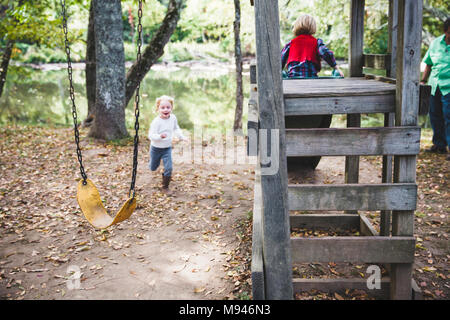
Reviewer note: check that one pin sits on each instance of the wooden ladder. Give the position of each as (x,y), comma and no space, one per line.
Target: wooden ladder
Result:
(271,99)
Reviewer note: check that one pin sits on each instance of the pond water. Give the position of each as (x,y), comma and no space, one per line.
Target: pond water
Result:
(204,95)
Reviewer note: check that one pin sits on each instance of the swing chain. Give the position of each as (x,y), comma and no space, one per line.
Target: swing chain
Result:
(136,103)
(72,93)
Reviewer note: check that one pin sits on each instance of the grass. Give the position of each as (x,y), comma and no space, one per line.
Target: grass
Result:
(182,51)
(122,142)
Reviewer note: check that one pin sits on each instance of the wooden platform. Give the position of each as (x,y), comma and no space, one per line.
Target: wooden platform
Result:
(274,250)
(335,87)
(337,96)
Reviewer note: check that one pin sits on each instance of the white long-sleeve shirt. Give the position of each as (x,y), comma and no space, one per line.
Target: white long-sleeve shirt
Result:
(169,127)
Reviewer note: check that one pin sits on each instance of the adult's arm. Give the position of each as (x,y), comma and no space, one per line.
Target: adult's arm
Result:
(426,74)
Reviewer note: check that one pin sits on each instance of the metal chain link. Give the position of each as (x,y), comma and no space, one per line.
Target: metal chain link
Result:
(72,93)
(136,100)
(136,103)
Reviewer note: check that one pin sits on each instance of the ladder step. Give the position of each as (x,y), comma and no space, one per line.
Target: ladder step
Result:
(334,285)
(349,87)
(353,249)
(325,221)
(353,141)
(339,105)
(368,197)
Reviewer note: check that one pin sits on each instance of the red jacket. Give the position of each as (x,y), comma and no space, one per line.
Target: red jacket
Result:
(304,48)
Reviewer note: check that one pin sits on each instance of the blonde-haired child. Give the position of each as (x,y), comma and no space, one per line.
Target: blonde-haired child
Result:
(302,55)
(161,132)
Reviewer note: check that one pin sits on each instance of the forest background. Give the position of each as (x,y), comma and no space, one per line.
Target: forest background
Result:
(38,171)
(205,29)
(204,35)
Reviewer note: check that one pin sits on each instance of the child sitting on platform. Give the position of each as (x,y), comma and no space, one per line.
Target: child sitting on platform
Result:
(162,129)
(302,55)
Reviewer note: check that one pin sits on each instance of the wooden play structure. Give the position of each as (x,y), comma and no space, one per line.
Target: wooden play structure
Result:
(397,96)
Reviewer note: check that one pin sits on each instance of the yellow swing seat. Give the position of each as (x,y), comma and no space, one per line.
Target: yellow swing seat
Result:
(90,203)
(88,196)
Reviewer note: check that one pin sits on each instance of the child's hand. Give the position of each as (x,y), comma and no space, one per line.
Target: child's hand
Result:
(163,135)
(340,71)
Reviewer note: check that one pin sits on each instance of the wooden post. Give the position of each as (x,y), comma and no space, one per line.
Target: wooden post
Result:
(389,118)
(392,45)
(252,117)
(276,229)
(385,215)
(356,62)
(409,36)
(356,58)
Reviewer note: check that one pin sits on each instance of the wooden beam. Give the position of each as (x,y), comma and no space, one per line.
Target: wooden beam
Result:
(424,93)
(408,58)
(348,87)
(339,105)
(353,197)
(276,230)
(257,266)
(253,118)
(365,227)
(356,38)
(353,141)
(352,162)
(392,44)
(377,61)
(337,285)
(386,177)
(409,38)
(353,249)
(325,221)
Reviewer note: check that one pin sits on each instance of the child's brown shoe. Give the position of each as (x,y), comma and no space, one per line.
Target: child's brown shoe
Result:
(165,182)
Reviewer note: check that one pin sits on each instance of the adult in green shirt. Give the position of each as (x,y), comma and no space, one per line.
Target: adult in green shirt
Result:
(437,73)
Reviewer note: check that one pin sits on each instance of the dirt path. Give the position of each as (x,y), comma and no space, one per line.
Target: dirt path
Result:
(193,244)
(180,246)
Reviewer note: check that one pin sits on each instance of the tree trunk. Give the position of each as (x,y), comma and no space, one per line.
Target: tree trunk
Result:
(90,63)
(5,63)
(238,57)
(154,49)
(109,113)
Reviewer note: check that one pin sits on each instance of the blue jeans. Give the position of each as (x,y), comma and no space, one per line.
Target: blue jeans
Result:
(440,118)
(156,154)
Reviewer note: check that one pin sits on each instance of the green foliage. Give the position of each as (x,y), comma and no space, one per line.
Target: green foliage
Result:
(332,17)
(376,35)
(178,52)
(35,22)
(127,141)
(203,22)
(333,22)
(185,51)
(43,55)
(35,26)
(434,14)
(243,296)
(152,15)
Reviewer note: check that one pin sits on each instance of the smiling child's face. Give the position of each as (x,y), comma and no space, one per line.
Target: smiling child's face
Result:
(165,108)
